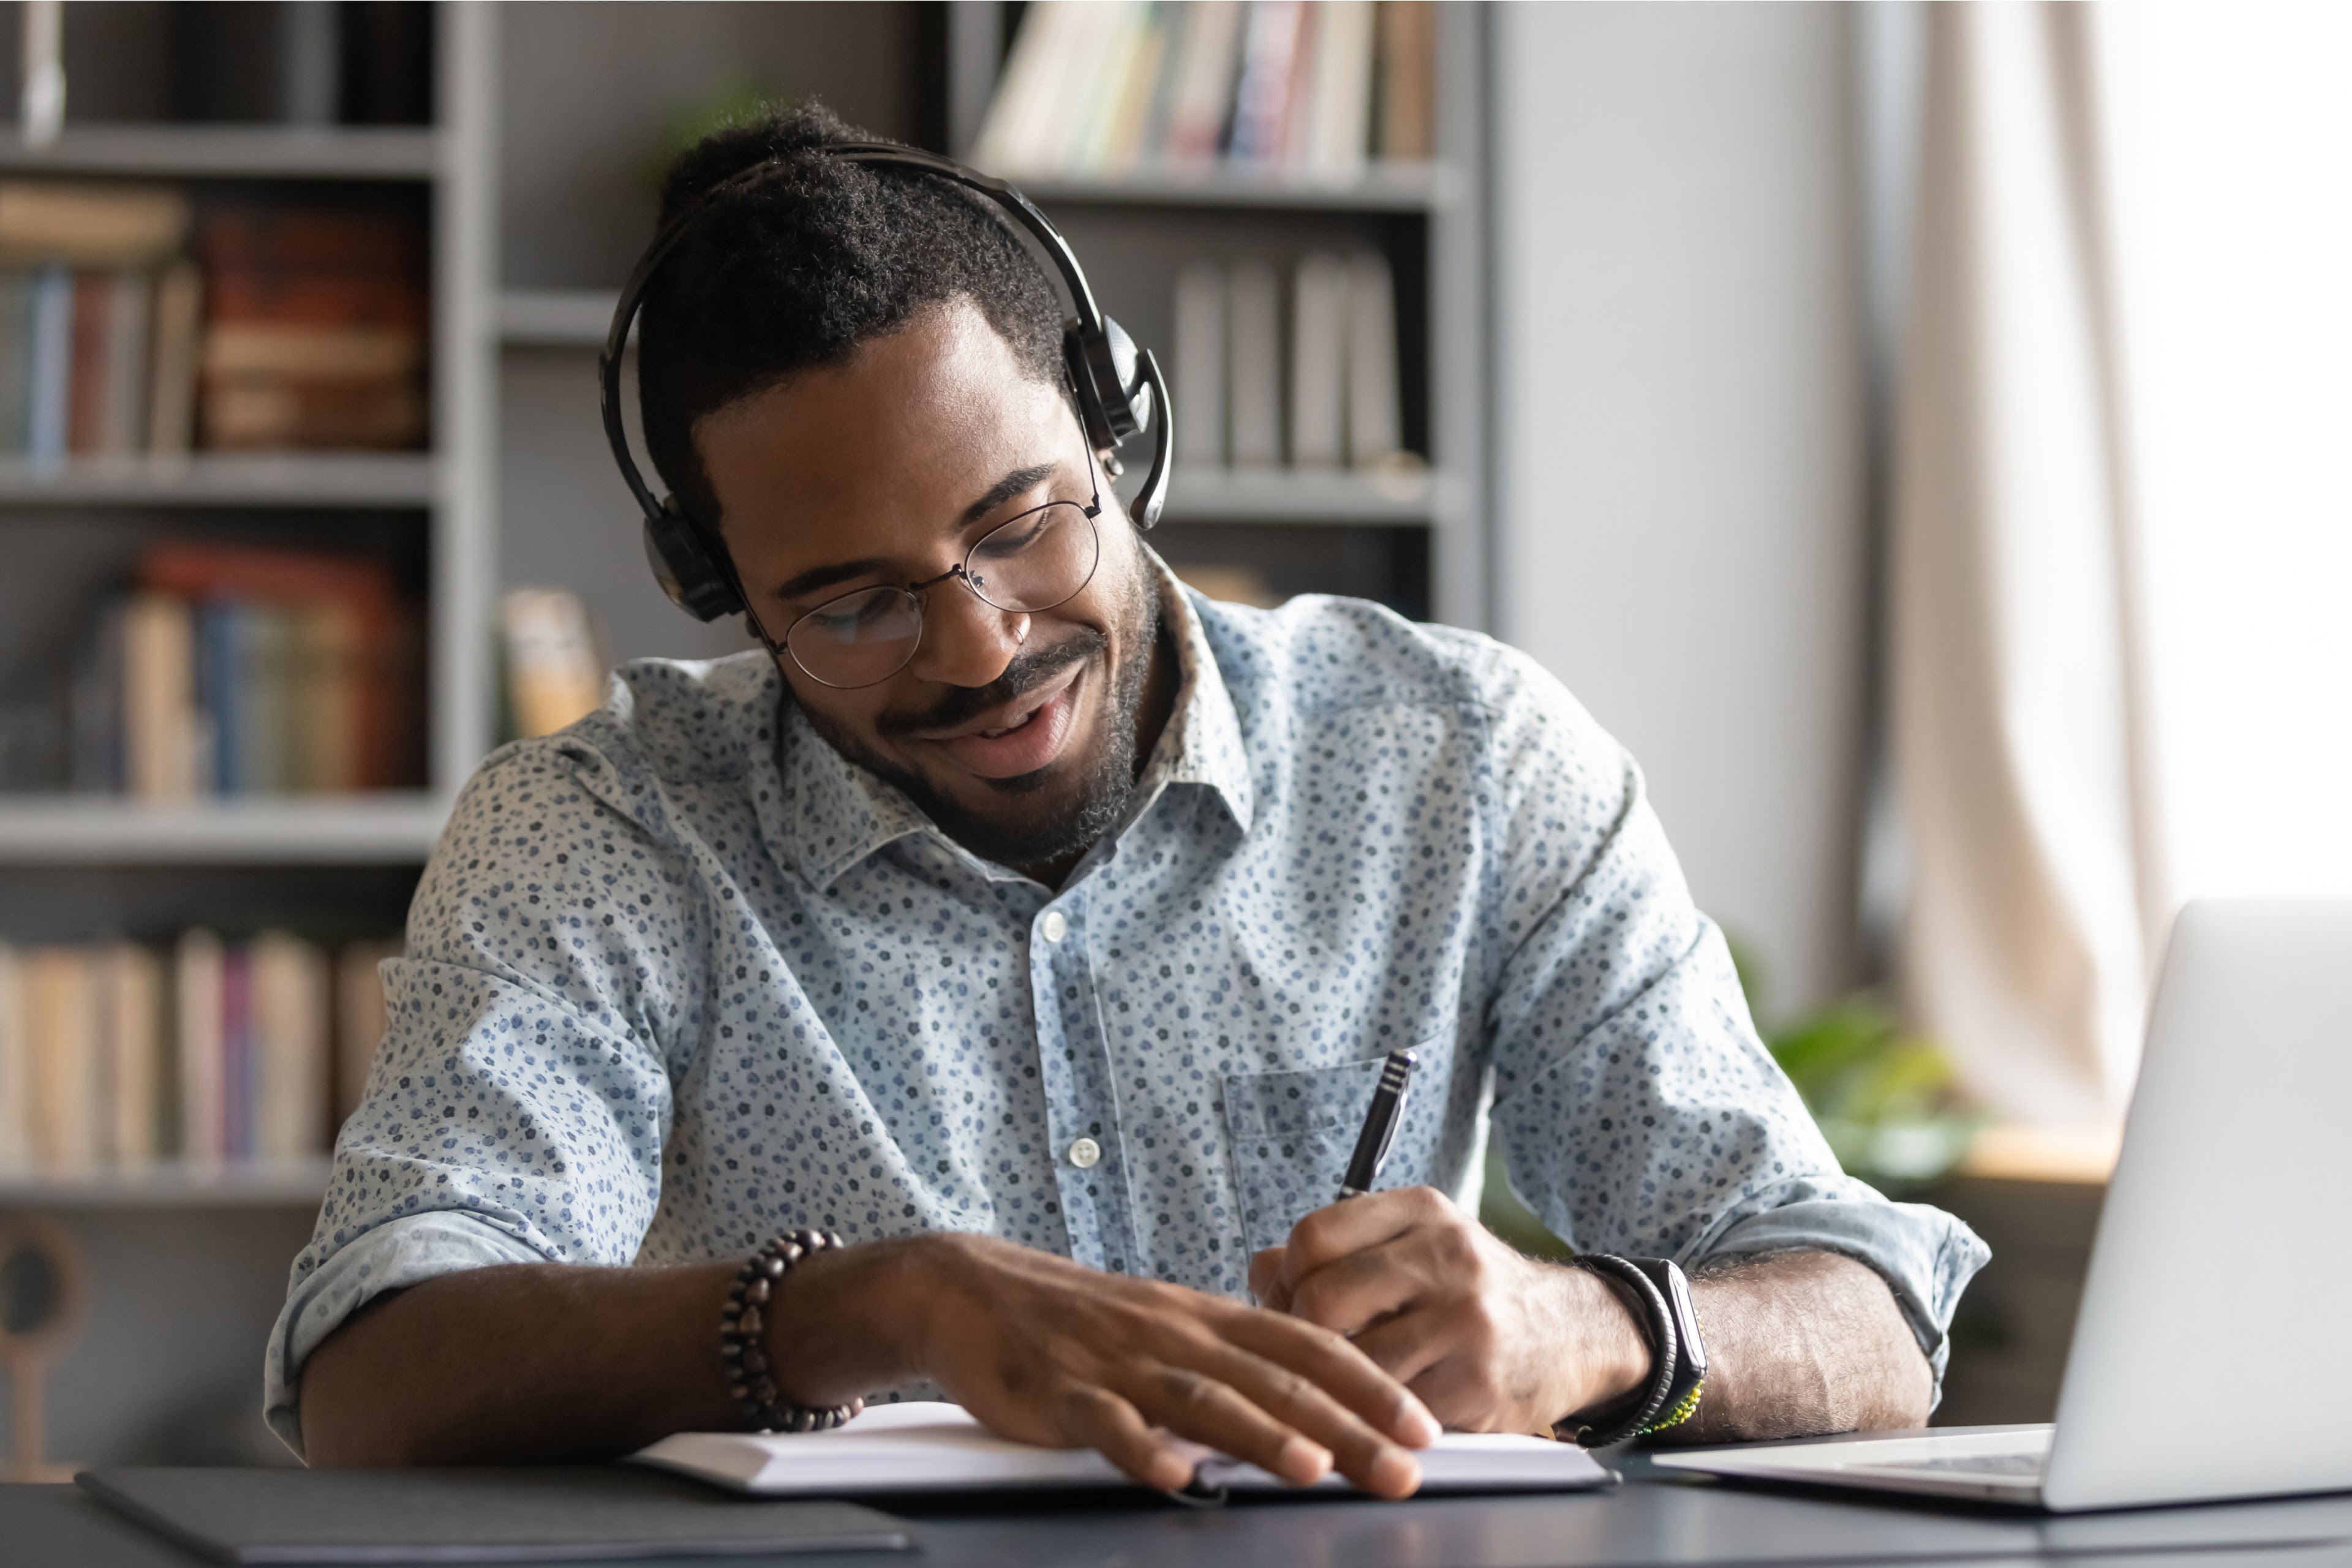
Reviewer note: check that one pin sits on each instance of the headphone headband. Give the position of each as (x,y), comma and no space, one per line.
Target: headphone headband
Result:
(1118,388)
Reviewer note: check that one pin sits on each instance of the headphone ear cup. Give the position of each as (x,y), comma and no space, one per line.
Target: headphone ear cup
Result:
(1113,396)
(685,569)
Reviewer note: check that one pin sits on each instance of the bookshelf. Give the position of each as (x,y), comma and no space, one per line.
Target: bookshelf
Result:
(536,177)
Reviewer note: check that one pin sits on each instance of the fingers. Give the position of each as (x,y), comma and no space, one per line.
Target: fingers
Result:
(1110,1425)
(1359,1290)
(1334,1230)
(1333,1370)
(1210,1409)
(1266,1280)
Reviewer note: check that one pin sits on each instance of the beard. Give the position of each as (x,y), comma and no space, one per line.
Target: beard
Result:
(1025,831)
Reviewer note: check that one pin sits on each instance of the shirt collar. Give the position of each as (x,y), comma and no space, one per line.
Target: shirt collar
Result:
(826,813)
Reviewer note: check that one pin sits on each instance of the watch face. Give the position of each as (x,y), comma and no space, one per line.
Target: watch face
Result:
(1686,1318)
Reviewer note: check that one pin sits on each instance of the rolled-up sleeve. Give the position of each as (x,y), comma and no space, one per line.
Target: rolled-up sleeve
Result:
(1637,1110)
(517,1108)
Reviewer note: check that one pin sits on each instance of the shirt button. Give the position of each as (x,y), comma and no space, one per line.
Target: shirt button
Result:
(1085,1152)
(1056,928)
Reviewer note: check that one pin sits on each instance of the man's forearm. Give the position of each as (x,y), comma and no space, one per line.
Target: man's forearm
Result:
(1803,1343)
(537,1363)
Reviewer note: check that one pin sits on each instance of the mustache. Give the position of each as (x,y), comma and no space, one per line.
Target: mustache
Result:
(1030,669)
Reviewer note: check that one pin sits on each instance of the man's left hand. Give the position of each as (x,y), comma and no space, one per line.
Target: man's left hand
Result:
(1491,1339)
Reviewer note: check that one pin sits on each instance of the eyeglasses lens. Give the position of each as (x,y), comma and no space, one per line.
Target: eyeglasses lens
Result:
(1036,560)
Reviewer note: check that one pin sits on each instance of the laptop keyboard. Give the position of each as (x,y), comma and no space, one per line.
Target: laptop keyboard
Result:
(2007,1467)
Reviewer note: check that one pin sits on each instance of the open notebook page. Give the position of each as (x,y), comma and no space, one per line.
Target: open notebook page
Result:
(929,1447)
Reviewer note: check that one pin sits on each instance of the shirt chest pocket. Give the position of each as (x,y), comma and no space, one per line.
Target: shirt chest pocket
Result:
(1292,1133)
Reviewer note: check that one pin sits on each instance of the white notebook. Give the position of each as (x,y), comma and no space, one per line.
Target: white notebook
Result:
(926,1447)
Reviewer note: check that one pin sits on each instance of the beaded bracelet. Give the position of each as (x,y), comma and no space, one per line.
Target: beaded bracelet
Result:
(742,1324)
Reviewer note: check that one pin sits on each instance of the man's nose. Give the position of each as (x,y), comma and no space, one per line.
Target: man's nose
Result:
(967,641)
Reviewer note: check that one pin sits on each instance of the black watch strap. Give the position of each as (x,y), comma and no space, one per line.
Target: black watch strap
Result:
(1659,1294)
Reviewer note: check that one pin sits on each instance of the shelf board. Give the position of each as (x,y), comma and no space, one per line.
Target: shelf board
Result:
(230,151)
(556,318)
(348,830)
(1383,187)
(171,1184)
(1289,495)
(225,479)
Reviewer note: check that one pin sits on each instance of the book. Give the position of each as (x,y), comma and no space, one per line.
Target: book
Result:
(172,399)
(345,649)
(15,356)
(130,998)
(89,225)
(1299,99)
(1017,135)
(1097,88)
(1253,366)
(159,710)
(361,1019)
(923,1446)
(289,1028)
(1262,92)
(65,1033)
(197,991)
(93,301)
(314,329)
(237,1064)
(49,374)
(1128,128)
(1340,104)
(1201,93)
(327,696)
(1200,389)
(554,676)
(1405,79)
(1375,420)
(16,1064)
(1318,362)
(128,377)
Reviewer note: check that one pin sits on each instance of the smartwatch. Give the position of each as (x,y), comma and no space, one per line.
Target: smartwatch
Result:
(1659,1294)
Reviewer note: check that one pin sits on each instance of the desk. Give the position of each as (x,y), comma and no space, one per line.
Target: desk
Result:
(1652,1520)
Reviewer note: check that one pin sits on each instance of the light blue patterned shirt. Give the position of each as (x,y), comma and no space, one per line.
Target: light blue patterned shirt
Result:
(681,977)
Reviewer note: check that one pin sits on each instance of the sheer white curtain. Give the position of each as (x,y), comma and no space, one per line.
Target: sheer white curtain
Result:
(2122,522)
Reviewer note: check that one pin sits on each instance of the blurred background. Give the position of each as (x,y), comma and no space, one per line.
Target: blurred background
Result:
(1913,429)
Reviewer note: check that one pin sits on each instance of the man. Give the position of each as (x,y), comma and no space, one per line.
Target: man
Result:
(1034,925)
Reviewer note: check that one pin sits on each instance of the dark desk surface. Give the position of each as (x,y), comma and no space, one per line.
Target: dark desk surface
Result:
(1652,1520)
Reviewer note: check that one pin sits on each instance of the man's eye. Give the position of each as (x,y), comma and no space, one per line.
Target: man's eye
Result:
(850,619)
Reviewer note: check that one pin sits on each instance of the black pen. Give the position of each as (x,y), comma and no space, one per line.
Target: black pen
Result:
(1379,1127)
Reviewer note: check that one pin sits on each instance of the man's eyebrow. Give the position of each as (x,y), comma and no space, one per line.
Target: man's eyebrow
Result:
(1002,491)
(1005,488)
(818,577)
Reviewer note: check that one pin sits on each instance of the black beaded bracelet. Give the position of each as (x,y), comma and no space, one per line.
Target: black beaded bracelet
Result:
(742,1324)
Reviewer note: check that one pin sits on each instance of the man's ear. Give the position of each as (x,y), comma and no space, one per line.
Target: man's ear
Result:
(1109,461)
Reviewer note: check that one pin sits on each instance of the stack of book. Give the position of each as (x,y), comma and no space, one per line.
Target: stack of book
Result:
(1341,410)
(116,1056)
(231,671)
(315,332)
(290,327)
(1303,88)
(98,321)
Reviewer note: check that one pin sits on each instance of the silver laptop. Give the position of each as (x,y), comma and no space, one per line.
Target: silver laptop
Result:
(2207,1359)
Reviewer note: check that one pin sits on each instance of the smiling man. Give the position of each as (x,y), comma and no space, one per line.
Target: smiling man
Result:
(1040,928)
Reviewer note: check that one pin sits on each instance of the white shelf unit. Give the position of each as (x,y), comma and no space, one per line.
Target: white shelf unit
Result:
(396,828)
(449,484)
(230,151)
(170,1184)
(226,480)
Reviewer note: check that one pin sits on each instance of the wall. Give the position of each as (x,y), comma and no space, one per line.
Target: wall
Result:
(1679,458)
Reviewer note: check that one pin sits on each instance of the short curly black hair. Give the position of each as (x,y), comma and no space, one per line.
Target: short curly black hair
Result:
(798,270)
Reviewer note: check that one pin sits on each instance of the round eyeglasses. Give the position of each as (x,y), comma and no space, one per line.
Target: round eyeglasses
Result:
(1040,559)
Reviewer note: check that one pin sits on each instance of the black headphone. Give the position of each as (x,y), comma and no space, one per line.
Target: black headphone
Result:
(1117,386)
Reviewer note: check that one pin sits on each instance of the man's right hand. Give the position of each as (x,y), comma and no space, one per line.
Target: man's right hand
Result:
(1048,1351)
